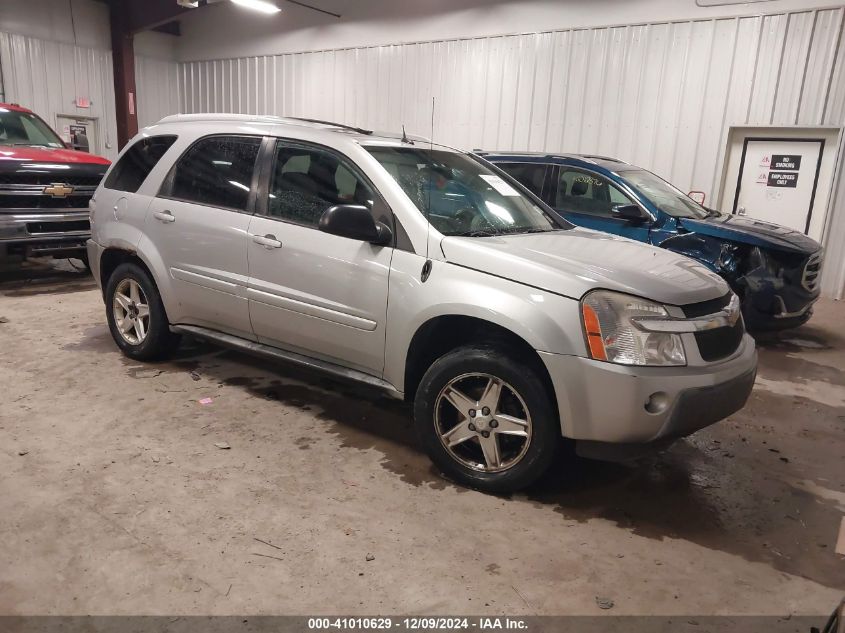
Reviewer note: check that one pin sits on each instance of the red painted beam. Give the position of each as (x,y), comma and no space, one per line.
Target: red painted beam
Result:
(123,60)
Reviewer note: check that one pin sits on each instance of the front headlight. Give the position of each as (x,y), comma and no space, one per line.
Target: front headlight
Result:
(606,318)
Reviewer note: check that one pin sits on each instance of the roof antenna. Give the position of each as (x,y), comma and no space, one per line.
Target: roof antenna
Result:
(405,138)
(426,269)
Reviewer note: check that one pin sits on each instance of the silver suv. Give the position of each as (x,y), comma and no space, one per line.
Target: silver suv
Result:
(423,271)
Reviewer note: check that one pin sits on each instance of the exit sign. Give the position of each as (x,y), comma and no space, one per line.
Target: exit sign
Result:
(83,102)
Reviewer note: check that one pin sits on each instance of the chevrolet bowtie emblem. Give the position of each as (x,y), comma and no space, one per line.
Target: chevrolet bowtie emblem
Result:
(58,190)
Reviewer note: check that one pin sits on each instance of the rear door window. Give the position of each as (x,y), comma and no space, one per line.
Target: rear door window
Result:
(216,171)
(136,164)
(584,192)
(531,175)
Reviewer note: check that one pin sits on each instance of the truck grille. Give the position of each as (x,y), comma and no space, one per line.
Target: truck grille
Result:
(48,179)
(36,228)
(17,201)
(812,269)
(720,342)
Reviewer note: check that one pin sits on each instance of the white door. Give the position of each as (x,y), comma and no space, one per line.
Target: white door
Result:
(778,180)
(199,225)
(311,292)
(79,133)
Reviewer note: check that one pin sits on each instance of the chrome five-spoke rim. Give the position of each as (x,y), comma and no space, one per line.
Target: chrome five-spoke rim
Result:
(482,422)
(131,311)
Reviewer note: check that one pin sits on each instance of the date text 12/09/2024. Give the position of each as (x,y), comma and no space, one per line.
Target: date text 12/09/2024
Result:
(415,624)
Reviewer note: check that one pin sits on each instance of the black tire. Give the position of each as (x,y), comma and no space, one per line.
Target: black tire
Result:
(525,379)
(159,340)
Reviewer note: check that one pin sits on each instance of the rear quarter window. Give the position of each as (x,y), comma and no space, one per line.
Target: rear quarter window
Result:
(136,164)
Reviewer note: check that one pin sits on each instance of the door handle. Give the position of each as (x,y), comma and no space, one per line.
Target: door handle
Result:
(267,241)
(164,216)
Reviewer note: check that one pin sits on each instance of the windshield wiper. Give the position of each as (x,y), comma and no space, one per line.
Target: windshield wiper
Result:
(509,231)
(520,231)
(538,230)
(478,233)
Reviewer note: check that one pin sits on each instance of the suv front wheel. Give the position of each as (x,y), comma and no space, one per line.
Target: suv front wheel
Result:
(486,419)
(136,315)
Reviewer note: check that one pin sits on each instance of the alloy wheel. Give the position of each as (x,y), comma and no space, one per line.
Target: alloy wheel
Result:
(482,422)
(131,311)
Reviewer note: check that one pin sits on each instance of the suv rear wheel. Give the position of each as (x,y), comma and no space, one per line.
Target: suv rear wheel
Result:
(486,419)
(136,315)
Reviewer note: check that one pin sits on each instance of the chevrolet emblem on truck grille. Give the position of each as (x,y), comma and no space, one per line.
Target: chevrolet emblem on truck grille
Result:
(58,190)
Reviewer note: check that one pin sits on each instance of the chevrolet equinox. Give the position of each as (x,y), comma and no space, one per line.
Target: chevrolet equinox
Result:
(421,270)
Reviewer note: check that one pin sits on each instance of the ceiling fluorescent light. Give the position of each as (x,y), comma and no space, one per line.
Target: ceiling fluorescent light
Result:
(258,5)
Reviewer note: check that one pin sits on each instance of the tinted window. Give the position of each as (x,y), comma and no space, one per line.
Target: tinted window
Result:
(307,181)
(137,163)
(529,174)
(217,171)
(582,192)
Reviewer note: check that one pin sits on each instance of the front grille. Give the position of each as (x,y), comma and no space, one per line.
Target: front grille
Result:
(812,269)
(43,202)
(48,179)
(720,342)
(702,308)
(34,228)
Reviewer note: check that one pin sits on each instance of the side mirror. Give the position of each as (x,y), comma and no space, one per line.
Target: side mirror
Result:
(629,213)
(355,222)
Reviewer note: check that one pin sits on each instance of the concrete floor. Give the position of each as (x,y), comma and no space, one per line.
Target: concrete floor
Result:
(122,503)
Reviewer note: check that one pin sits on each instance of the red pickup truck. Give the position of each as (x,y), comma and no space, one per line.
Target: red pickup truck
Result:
(44,188)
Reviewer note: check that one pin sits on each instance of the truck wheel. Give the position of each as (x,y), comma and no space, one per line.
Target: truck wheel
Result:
(486,419)
(136,315)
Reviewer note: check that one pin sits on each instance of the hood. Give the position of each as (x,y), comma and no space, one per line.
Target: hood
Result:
(40,154)
(575,261)
(750,231)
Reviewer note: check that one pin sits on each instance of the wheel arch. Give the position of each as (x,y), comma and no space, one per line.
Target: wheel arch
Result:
(148,259)
(113,257)
(443,333)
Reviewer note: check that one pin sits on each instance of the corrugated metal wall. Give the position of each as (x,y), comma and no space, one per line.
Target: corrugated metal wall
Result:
(157,82)
(47,77)
(661,95)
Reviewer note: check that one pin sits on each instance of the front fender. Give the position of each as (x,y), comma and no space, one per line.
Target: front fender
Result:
(546,321)
(721,256)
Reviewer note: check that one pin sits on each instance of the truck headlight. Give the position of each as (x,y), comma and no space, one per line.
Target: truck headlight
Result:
(611,336)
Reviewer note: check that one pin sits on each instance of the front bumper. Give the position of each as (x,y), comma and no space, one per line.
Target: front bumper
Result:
(604,402)
(784,299)
(39,232)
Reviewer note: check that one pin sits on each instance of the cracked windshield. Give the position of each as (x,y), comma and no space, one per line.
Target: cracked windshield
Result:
(461,196)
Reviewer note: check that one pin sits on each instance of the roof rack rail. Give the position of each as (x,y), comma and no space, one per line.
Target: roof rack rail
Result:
(360,130)
(607,158)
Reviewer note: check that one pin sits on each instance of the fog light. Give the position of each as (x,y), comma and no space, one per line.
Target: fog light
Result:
(657,402)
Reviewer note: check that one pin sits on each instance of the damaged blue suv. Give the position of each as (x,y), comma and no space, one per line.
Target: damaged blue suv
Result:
(774,270)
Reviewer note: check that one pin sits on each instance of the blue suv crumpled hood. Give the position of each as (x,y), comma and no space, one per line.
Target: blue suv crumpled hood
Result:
(749,231)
